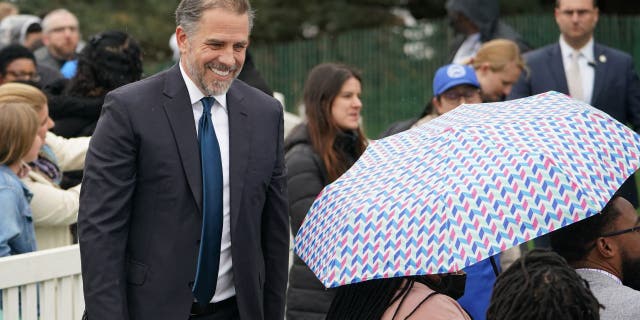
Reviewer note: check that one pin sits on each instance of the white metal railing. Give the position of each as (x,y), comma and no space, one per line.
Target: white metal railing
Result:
(45,285)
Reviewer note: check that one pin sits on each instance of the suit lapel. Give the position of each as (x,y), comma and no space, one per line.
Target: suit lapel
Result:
(557,69)
(600,74)
(239,149)
(180,115)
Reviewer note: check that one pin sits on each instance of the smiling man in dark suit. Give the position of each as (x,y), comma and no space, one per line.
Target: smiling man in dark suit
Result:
(577,65)
(183,207)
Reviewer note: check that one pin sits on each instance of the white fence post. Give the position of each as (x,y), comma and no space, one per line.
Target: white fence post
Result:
(47,283)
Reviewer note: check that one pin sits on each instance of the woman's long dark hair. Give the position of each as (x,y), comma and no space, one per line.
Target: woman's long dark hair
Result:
(370,299)
(322,87)
(109,60)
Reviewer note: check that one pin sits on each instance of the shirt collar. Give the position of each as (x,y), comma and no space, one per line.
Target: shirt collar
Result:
(473,37)
(608,274)
(586,50)
(194,92)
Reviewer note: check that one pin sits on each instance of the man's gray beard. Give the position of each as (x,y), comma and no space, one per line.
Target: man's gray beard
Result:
(215,88)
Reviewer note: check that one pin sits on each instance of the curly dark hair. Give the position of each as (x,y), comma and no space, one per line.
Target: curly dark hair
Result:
(109,60)
(574,242)
(11,53)
(542,285)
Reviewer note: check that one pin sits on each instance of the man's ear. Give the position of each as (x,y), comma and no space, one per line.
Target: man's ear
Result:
(181,39)
(606,247)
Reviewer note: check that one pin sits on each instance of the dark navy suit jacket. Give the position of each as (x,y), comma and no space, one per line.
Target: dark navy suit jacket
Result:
(140,215)
(616,88)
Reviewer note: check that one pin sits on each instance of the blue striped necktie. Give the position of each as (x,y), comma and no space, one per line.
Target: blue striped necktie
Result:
(204,286)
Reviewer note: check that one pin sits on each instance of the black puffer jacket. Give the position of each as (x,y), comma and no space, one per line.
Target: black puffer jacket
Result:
(307,298)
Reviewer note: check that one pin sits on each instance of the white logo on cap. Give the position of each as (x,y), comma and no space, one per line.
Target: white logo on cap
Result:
(456,71)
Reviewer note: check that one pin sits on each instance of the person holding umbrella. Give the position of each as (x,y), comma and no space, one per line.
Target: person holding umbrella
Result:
(454,85)
(416,297)
(317,152)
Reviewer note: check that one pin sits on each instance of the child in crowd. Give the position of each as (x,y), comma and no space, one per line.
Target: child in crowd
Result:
(19,143)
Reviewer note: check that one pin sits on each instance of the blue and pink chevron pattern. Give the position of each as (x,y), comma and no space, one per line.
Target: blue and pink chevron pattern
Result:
(468,185)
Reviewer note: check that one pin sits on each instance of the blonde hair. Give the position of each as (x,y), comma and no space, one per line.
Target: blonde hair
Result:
(18,129)
(24,93)
(498,54)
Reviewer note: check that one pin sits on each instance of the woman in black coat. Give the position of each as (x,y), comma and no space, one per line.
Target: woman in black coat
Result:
(317,153)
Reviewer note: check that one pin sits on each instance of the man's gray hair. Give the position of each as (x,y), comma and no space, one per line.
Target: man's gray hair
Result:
(46,21)
(189,12)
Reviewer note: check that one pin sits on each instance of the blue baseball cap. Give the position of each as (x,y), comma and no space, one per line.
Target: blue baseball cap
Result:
(453,75)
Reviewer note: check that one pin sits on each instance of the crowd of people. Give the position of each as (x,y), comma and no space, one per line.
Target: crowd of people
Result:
(33,60)
(187,186)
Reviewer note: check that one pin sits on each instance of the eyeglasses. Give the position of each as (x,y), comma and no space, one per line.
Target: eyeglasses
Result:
(619,232)
(24,75)
(613,234)
(456,95)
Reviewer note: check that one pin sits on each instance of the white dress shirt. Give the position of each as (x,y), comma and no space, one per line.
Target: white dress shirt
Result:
(468,49)
(220,118)
(586,64)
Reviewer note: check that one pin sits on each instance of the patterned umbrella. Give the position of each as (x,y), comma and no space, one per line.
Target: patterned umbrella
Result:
(468,185)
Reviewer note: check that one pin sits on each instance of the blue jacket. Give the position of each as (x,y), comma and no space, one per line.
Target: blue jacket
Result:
(478,288)
(16,224)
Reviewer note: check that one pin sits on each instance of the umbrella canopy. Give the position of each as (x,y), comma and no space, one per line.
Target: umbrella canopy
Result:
(463,187)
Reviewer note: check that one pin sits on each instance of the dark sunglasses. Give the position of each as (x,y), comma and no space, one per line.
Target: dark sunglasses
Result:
(619,232)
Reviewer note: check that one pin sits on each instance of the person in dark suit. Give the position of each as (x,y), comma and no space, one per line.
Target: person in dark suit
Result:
(183,210)
(601,76)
